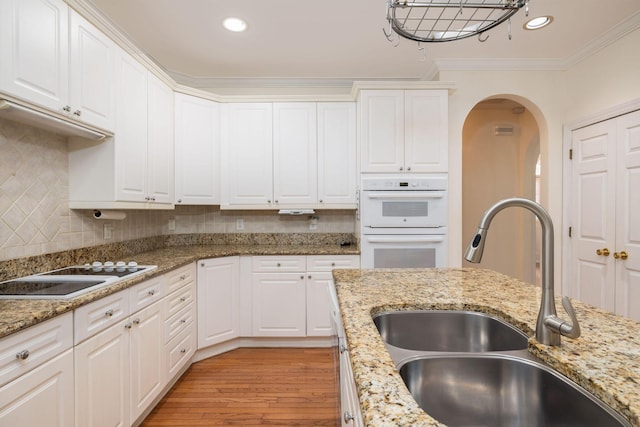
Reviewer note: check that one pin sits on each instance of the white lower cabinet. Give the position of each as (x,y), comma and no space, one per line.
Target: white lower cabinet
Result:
(290,294)
(218,300)
(36,375)
(349,402)
(147,358)
(102,378)
(120,370)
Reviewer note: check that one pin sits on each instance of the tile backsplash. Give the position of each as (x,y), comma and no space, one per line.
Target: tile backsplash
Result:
(35,218)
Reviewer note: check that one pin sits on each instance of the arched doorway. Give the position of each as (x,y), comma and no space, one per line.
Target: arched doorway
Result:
(500,151)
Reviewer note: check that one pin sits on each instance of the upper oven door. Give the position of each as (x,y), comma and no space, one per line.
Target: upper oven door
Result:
(400,209)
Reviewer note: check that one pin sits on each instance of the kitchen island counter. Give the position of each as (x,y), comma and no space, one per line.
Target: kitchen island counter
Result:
(605,360)
(18,314)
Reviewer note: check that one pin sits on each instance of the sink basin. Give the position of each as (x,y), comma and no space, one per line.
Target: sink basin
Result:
(450,331)
(501,390)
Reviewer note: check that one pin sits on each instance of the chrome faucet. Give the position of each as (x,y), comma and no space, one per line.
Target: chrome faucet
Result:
(549,327)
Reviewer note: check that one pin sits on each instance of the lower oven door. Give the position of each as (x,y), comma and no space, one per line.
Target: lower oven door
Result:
(404,251)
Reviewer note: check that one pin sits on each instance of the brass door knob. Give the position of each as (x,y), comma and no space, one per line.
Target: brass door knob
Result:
(603,252)
(621,255)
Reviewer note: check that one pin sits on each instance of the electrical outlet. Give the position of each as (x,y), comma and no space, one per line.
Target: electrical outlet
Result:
(172,224)
(107,231)
(239,224)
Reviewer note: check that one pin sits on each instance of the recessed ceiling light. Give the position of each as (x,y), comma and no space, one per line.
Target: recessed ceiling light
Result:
(236,25)
(537,23)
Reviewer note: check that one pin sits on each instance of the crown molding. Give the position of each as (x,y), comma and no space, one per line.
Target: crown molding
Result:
(627,26)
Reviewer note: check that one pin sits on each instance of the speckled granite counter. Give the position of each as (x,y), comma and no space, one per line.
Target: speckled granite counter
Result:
(17,314)
(605,360)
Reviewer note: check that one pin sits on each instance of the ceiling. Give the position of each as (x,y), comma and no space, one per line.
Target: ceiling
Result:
(343,40)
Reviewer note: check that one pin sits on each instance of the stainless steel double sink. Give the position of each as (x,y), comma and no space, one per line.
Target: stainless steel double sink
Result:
(470,369)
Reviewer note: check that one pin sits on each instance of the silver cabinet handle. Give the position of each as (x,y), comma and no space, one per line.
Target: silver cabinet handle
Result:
(77,113)
(67,108)
(278,265)
(183,299)
(409,168)
(152,292)
(183,320)
(333,264)
(183,351)
(108,313)
(309,276)
(136,321)
(401,168)
(179,200)
(343,348)
(128,325)
(320,200)
(184,276)
(23,355)
(348,417)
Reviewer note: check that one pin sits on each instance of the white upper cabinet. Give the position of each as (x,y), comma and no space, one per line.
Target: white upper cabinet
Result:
(337,161)
(294,153)
(92,94)
(404,130)
(247,152)
(131,130)
(197,145)
(134,168)
(160,142)
(55,59)
(289,155)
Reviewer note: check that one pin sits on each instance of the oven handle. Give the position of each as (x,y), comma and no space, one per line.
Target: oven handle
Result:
(406,195)
(400,239)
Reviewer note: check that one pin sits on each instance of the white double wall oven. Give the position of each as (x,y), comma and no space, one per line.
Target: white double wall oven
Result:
(404,221)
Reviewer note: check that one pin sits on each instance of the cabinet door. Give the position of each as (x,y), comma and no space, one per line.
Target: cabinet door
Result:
(382,130)
(147,357)
(34,42)
(160,135)
(279,304)
(102,382)
(337,153)
(247,153)
(41,397)
(197,150)
(218,300)
(318,315)
(131,130)
(426,128)
(295,174)
(92,82)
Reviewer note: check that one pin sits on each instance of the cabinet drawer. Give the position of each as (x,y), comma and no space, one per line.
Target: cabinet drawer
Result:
(99,315)
(25,350)
(179,322)
(178,278)
(330,262)
(146,293)
(179,351)
(278,264)
(179,300)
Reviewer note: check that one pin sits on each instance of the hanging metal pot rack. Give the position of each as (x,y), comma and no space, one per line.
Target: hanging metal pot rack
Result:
(448,20)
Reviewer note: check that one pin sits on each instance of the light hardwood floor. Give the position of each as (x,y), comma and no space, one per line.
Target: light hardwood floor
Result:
(254,386)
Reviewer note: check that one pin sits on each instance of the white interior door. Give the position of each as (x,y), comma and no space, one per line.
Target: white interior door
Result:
(593,215)
(628,216)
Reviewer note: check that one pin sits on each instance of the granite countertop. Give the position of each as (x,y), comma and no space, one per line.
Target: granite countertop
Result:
(18,314)
(605,360)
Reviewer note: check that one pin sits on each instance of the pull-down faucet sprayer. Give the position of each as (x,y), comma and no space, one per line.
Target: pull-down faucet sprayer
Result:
(549,327)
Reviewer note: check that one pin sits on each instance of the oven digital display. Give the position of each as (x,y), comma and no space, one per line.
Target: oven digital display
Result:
(403,184)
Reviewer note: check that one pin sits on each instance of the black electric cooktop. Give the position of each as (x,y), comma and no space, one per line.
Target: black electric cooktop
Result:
(68,282)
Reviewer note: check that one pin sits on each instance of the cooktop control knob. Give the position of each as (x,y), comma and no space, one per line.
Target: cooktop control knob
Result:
(108,266)
(121,266)
(96,266)
(132,265)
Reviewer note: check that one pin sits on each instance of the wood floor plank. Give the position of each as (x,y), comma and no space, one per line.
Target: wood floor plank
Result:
(254,387)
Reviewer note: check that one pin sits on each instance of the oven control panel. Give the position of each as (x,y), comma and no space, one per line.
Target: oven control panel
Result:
(404,183)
